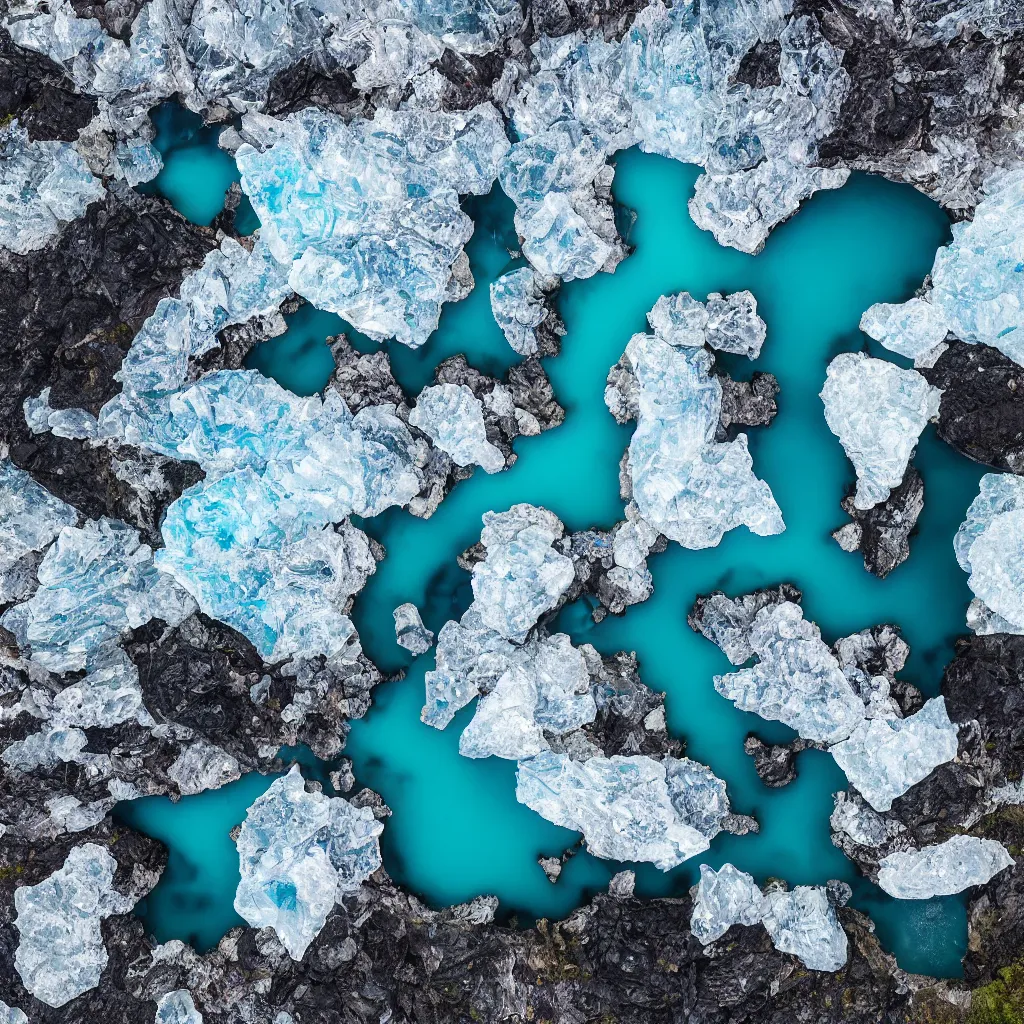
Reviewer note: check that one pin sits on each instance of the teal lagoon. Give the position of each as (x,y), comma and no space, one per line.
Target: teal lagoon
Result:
(456,830)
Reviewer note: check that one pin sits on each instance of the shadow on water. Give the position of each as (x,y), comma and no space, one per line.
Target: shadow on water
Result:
(456,829)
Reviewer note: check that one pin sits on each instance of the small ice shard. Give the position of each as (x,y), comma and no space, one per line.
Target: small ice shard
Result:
(884,757)
(729,323)
(95,583)
(943,869)
(804,922)
(43,185)
(523,576)
(410,632)
(797,679)
(976,289)
(299,853)
(724,898)
(628,808)
(60,951)
(366,213)
(42,418)
(546,690)
(519,306)
(878,411)
(177,1007)
(914,329)
(990,546)
(30,518)
(687,485)
(11,1014)
(201,766)
(453,418)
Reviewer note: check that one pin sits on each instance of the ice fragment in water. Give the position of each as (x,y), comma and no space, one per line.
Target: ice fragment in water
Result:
(944,869)
(522,576)
(628,808)
(878,411)
(685,484)
(797,679)
(883,758)
(990,546)
(804,922)
(367,214)
(299,853)
(60,951)
(42,186)
(519,305)
(977,291)
(410,632)
(914,329)
(545,690)
(177,1007)
(724,898)
(453,417)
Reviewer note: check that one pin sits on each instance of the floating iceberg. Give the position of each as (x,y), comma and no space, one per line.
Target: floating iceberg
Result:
(453,418)
(687,485)
(628,808)
(797,679)
(410,632)
(944,869)
(884,757)
(546,690)
(43,185)
(177,1007)
(878,411)
(299,853)
(60,951)
(519,306)
(990,546)
(976,288)
(804,922)
(95,583)
(366,214)
(724,898)
(30,518)
(523,576)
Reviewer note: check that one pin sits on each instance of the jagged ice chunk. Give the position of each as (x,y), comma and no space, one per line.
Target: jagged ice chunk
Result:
(453,417)
(518,303)
(804,922)
(410,632)
(724,898)
(943,869)
(177,1007)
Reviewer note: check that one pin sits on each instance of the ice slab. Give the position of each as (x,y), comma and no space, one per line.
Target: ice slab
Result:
(724,898)
(943,869)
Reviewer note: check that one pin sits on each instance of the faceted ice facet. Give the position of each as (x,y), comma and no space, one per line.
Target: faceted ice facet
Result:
(724,898)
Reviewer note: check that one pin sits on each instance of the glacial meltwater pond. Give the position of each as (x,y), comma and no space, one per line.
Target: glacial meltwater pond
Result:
(456,830)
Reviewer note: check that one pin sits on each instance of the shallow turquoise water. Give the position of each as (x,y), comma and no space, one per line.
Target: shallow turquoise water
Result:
(457,830)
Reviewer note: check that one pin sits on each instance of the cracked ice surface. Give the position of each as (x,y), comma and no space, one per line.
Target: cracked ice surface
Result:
(990,546)
(977,291)
(628,808)
(878,411)
(410,632)
(30,518)
(43,185)
(299,853)
(177,1007)
(546,689)
(797,679)
(60,951)
(804,922)
(724,898)
(367,214)
(944,869)
(519,308)
(685,484)
(453,418)
(670,85)
(523,576)
(95,583)
(883,758)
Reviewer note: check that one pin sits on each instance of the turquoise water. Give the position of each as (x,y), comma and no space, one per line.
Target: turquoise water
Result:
(456,829)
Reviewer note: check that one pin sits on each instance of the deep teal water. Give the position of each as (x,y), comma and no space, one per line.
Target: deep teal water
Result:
(456,829)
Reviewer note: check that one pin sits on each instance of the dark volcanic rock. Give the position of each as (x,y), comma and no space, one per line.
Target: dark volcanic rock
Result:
(775,763)
(882,533)
(748,403)
(981,413)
